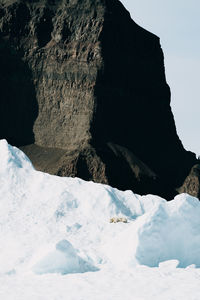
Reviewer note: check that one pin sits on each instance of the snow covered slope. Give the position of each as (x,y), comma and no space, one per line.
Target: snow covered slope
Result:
(56,238)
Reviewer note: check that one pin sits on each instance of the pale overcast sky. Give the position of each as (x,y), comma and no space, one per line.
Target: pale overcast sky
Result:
(177,23)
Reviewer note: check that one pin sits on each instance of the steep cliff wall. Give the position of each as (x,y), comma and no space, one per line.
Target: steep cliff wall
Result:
(83,92)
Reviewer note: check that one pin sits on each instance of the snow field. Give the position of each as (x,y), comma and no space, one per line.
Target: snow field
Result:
(52,226)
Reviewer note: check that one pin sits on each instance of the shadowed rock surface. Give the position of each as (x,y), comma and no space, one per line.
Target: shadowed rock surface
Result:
(83,92)
(191,184)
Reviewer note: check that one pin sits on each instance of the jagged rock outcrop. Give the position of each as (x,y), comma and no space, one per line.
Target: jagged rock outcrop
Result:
(83,92)
(191,184)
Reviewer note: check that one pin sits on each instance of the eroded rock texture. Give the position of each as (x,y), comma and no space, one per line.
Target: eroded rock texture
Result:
(191,184)
(83,92)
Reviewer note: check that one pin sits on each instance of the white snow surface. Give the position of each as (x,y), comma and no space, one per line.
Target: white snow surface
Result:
(57,242)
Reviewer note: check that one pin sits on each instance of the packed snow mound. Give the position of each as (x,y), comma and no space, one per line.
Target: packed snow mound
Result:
(11,158)
(50,224)
(168,231)
(63,259)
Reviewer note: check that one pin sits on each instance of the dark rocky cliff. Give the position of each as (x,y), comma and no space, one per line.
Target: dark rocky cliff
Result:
(83,93)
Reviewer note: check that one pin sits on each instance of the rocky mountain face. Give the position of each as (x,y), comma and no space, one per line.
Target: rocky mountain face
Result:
(83,93)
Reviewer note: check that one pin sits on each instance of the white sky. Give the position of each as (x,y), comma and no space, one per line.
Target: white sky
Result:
(177,23)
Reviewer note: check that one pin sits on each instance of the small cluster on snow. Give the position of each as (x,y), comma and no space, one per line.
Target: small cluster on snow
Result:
(116,220)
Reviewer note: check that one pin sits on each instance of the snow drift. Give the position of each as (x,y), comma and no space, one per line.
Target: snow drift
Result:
(50,224)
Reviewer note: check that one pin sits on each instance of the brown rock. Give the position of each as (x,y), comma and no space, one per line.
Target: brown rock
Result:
(191,184)
(83,92)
